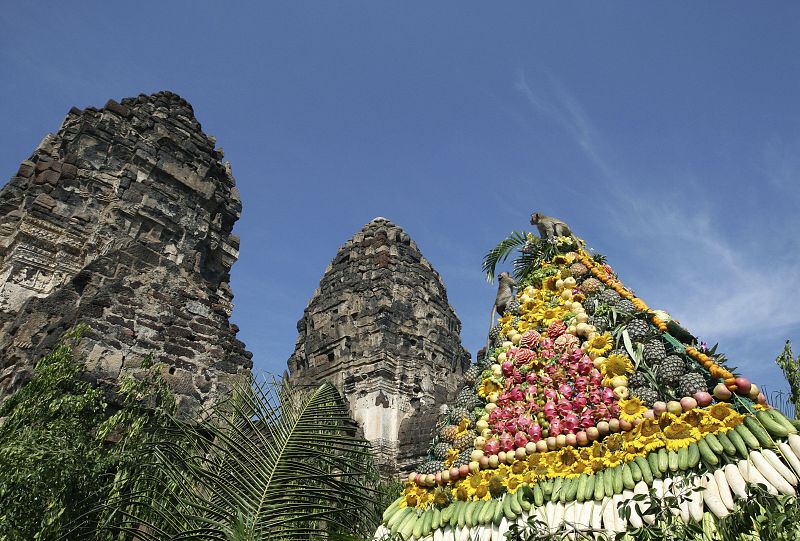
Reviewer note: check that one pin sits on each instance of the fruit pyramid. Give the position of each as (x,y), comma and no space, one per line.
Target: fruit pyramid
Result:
(587,402)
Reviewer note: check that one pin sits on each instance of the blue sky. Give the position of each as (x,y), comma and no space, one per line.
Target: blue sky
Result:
(667,134)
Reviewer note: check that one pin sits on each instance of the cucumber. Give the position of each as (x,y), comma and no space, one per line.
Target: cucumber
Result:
(562,494)
(652,461)
(508,512)
(644,467)
(663,460)
(627,477)
(608,482)
(408,527)
(755,427)
(473,512)
(672,458)
(538,495)
(498,512)
(618,483)
(398,518)
(487,512)
(408,517)
(419,525)
(516,508)
(780,418)
(738,442)
(583,480)
(391,510)
(775,429)
(437,518)
(683,458)
(714,444)
(572,489)
(795,423)
(557,484)
(447,513)
(588,494)
(636,472)
(462,514)
(599,486)
(706,453)
(694,455)
(524,497)
(727,444)
(547,488)
(747,436)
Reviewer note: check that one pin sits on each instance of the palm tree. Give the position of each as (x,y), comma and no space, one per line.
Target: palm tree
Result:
(273,463)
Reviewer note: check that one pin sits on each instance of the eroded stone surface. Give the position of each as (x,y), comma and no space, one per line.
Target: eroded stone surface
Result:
(380,328)
(123,220)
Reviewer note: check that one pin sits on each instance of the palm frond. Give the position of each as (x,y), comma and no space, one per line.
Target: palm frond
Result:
(274,462)
(500,253)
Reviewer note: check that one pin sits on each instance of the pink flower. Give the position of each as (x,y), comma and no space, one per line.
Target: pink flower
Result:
(556,329)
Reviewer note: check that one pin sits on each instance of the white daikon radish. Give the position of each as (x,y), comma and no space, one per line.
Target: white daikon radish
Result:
(776,462)
(735,481)
(696,500)
(790,457)
(724,489)
(597,515)
(770,473)
(711,496)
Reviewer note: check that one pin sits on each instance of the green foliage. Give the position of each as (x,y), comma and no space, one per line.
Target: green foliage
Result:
(762,516)
(273,463)
(500,253)
(56,463)
(791,370)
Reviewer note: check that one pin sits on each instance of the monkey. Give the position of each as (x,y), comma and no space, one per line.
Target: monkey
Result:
(505,292)
(549,228)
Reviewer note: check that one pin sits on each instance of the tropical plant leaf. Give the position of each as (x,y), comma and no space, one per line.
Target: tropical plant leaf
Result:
(500,253)
(274,462)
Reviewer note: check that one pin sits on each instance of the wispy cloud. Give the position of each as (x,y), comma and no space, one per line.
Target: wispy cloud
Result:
(720,286)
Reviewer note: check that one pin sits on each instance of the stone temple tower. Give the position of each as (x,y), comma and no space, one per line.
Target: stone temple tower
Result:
(123,220)
(380,328)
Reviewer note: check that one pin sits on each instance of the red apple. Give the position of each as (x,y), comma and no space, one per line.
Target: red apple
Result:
(687,403)
(743,386)
(703,398)
(722,392)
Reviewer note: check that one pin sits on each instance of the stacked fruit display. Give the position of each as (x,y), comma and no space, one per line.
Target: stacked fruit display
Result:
(586,398)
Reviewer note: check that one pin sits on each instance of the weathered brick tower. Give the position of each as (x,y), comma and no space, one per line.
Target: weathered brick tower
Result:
(380,328)
(123,220)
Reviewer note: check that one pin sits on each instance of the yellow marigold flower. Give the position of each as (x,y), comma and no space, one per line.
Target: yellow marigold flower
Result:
(489,386)
(631,409)
(762,407)
(463,427)
(680,434)
(617,365)
(513,482)
(600,344)
(482,492)
(452,455)
(549,283)
(694,417)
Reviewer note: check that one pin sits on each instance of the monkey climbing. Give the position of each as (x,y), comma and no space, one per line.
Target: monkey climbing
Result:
(505,292)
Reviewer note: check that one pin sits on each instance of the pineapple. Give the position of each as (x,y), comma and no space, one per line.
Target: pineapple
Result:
(458,413)
(472,374)
(448,433)
(591,285)
(625,308)
(599,322)
(654,351)
(463,458)
(590,305)
(440,450)
(691,383)
(637,379)
(578,269)
(513,307)
(670,370)
(609,297)
(465,441)
(648,396)
(431,466)
(494,334)
(638,330)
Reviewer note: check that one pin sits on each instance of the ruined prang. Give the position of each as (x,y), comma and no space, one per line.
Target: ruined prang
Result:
(122,220)
(380,328)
